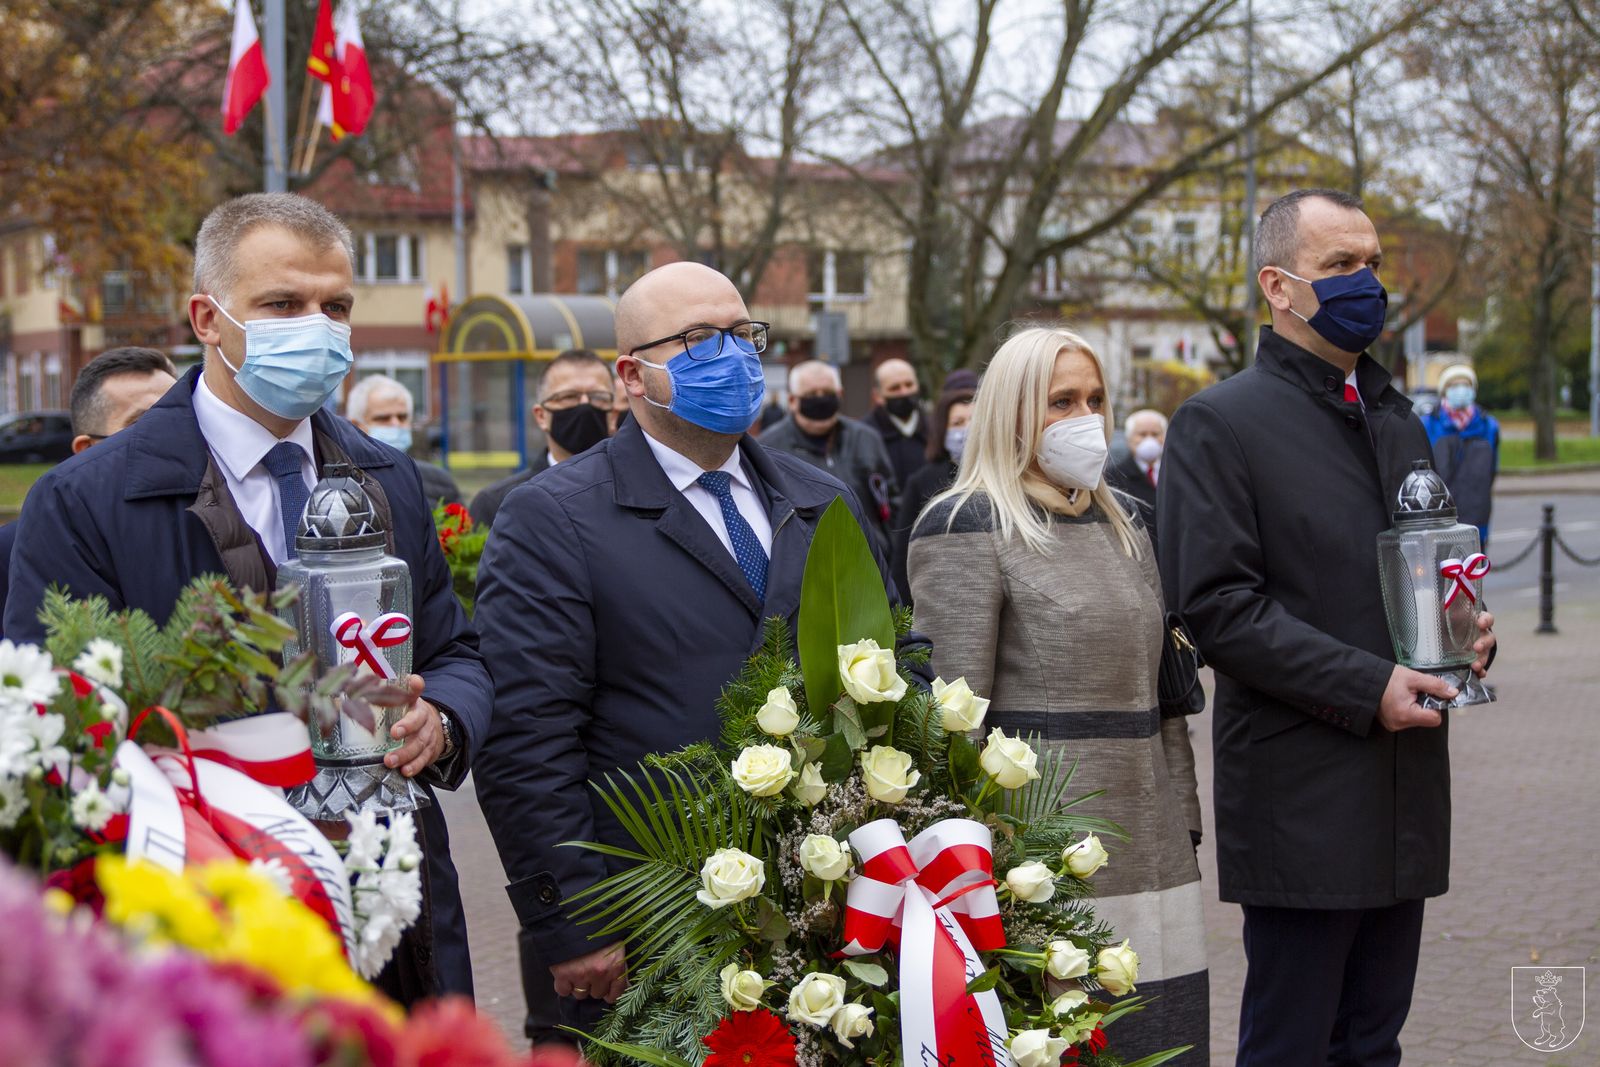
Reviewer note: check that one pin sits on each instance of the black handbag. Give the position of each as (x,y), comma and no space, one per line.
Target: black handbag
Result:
(1178,688)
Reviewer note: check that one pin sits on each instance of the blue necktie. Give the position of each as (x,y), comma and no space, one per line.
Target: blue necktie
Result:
(746,546)
(283,461)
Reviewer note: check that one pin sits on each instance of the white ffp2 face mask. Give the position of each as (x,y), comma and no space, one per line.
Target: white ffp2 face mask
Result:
(1072,452)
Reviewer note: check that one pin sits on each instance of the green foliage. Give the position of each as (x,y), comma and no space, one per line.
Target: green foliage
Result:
(668,1011)
(676,818)
(842,601)
(462,544)
(772,667)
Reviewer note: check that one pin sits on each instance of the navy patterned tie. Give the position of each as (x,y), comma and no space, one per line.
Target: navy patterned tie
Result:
(746,546)
(283,461)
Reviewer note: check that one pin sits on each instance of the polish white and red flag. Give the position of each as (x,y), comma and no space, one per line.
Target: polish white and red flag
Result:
(247,70)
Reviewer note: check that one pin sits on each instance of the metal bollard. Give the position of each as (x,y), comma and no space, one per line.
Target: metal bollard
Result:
(1547,572)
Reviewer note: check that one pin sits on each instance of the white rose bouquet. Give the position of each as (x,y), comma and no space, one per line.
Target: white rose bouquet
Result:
(766,864)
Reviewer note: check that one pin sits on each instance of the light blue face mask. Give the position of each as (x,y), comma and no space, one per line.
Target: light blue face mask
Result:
(398,437)
(1460,397)
(718,388)
(291,366)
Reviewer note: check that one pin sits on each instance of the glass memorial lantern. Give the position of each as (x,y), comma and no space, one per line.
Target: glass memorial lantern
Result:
(1431,568)
(353,607)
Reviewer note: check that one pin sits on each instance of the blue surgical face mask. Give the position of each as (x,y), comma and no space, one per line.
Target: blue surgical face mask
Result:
(291,366)
(955,442)
(1352,308)
(718,388)
(398,437)
(1460,397)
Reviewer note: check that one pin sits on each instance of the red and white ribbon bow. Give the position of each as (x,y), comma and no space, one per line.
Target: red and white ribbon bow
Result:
(274,749)
(388,630)
(934,898)
(1461,572)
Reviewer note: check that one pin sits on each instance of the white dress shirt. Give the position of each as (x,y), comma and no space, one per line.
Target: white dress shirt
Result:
(1152,471)
(1352,383)
(239,444)
(684,474)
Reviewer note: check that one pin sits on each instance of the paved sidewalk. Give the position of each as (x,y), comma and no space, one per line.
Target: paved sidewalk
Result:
(1525,870)
(1525,858)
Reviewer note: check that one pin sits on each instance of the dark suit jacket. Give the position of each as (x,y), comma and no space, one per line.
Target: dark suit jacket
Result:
(8,538)
(1128,476)
(486,504)
(133,519)
(612,617)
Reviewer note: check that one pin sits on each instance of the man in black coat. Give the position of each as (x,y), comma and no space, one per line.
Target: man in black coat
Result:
(898,417)
(574,411)
(1332,780)
(187,491)
(620,591)
(1139,472)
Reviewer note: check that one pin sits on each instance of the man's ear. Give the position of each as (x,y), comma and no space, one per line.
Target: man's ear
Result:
(542,418)
(1275,287)
(629,374)
(203,320)
(81,442)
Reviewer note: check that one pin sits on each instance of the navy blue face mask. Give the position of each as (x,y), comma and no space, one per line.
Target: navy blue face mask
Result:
(1352,308)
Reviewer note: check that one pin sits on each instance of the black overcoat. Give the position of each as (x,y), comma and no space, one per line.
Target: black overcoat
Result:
(1281,488)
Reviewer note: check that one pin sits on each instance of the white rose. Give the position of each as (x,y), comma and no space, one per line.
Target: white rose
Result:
(962,709)
(730,876)
(1070,1001)
(1033,882)
(1036,1048)
(763,770)
(1085,857)
(1063,959)
(1118,968)
(850,1022)
(742,989)
(822,856)
(888,774)
(869,673)
(778,716)
(1009,760)
(816,998)
(810,788)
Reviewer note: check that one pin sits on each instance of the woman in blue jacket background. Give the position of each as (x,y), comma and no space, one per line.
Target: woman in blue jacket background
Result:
(1466,446)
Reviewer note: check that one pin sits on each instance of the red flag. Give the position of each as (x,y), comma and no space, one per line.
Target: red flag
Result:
(247,69)
(437,313)
(352,90)
(323,59)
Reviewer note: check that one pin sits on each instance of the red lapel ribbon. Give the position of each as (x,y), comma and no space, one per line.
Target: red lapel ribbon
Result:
(1461,572)
(388,630)
(934,899)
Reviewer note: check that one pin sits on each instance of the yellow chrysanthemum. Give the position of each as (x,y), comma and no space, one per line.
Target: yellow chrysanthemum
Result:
(158,905)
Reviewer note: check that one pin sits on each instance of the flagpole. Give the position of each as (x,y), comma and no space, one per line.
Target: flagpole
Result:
(277,180)
(296,151)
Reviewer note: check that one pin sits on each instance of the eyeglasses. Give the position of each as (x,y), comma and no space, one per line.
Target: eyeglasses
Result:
(751,334)
(572,398)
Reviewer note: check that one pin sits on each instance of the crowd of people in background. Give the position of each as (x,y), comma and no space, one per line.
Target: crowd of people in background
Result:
(631,564)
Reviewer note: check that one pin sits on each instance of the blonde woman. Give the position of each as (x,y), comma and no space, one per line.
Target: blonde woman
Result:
(1034,582)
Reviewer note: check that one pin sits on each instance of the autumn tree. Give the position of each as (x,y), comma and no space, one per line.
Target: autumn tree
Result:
(998,182)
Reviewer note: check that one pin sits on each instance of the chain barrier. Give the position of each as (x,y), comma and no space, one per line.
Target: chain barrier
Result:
(1573,556)
(1520,556)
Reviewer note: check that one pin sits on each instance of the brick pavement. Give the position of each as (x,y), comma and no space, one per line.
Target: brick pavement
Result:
(1525,877)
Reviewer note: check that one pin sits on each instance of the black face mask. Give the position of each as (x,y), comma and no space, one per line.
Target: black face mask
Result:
(578,428)
(901,407)
(820,408)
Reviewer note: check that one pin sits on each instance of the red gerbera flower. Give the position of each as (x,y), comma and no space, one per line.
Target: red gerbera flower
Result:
(1097,1041)
(750,1039)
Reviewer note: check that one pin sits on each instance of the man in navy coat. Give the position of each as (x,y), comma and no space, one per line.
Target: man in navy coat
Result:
(214,477)
(620,591)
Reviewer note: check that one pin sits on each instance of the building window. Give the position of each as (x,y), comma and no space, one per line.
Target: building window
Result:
(19,261)
(609,271)
(1185,241)
(518,269)
(835,275)
(409,367)
(1141,353)
(52,381)
(389,257)
(1050,277)
(28,384)
(116,291)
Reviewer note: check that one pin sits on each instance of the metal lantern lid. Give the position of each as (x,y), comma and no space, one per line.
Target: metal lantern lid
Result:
(1424,497)
(339,514)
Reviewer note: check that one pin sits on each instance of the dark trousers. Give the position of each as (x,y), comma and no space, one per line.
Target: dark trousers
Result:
(1327,988)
